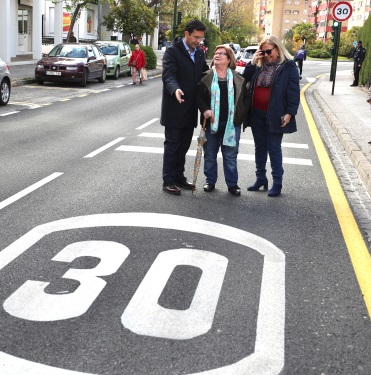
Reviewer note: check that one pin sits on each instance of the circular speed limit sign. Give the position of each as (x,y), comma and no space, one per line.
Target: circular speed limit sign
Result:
(342,11)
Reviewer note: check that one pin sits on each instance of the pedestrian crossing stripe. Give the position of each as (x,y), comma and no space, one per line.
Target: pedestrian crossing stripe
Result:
(247,157)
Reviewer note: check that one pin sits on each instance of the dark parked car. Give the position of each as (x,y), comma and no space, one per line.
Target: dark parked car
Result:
(5,83)
(72,62)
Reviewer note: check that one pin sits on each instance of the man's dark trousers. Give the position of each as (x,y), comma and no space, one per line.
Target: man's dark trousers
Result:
(176,145)
(356,70)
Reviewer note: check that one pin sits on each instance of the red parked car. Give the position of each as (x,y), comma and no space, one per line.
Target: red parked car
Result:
(72,62)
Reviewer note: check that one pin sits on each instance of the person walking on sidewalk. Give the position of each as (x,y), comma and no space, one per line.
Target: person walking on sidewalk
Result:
(300,56)
(222,99)
(137,62)
(275,92)
(358,55)
(182,66)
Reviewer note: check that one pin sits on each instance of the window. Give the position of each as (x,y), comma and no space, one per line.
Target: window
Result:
(297,2)
(287,11)
(305,12)
(295,12)
(288,2)
(295,22)
(287,21)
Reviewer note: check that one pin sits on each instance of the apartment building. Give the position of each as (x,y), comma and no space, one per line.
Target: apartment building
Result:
(276,17)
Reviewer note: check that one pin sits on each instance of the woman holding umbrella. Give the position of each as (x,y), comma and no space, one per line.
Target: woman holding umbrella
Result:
(221,99)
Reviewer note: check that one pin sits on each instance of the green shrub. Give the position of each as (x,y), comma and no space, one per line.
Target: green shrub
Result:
(151,57)
(319,53)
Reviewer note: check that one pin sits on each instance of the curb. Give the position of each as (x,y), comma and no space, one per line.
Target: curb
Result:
(29,81)
(355,154)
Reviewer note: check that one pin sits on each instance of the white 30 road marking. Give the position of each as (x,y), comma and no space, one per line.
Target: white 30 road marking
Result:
(268,357)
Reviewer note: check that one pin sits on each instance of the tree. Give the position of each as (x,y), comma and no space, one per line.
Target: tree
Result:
(131,17)
(304,33)
(75,7)
(236,24)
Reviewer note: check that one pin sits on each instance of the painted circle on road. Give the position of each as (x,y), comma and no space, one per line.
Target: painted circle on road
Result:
(268,352)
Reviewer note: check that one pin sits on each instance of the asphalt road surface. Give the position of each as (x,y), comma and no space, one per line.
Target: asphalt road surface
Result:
(102,272)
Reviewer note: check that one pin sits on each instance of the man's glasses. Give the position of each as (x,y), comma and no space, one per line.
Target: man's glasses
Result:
(267,51)
(199,38)
(220,54)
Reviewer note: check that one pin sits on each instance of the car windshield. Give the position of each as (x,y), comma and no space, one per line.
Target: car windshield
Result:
(249,54)
(68,51)
(109,50)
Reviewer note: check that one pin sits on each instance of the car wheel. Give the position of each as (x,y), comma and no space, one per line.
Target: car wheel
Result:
(40,82)
(117,73)
(84,78)
(104,75)
(4,92)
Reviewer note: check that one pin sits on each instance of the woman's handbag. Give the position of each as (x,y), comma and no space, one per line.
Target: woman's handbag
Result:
(143,73)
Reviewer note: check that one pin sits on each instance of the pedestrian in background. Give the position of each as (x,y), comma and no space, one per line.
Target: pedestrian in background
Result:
(358,56)
(202,45)
(300,56)
(137,62)
(222,99)
(275,91)
(183,63)
(72,38)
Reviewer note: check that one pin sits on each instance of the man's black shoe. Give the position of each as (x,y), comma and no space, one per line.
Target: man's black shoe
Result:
(185,184)
(235,190)
(353,85)
(209,187)
(171,189)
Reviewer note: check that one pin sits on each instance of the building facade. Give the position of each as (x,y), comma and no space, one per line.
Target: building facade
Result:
(276,17)
(26,24)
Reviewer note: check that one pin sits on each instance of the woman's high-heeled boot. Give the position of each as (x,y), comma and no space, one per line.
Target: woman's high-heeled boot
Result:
(275,191)
(258,184)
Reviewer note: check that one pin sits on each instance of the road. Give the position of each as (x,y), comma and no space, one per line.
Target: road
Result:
(103,273)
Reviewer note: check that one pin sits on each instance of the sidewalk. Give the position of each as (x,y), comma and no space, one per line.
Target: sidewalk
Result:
(346,111)
(349,115)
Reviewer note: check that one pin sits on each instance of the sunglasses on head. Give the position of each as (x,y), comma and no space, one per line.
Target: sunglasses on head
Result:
(267,51)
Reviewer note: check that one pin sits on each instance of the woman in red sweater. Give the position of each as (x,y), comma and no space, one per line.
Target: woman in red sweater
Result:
(137,62)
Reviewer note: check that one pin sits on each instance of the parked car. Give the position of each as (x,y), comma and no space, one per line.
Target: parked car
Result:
(72,62)
(118,55)
(246,57)
(5,83)
(237,47)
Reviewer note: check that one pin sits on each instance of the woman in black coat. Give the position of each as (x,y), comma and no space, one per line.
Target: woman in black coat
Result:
(275,93)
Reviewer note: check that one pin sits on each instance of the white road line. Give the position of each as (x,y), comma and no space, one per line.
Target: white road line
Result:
(160,150)
(108,145)
(242,141)
(9,113)
(120,86)
(147,123)
(28,190)
(310,79)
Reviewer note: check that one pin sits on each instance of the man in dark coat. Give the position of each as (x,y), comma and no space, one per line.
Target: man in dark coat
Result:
(183,63)
(358,55)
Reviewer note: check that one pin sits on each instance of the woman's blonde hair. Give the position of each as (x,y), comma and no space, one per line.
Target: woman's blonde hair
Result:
(283,54)
(230,54)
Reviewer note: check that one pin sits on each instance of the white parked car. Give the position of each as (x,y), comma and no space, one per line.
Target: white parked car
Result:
(246,57)
(5,83)
(237,47)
